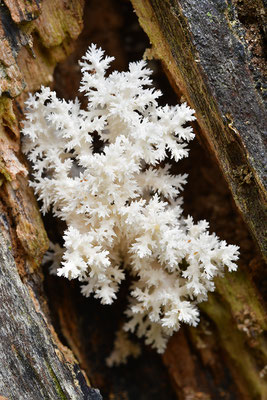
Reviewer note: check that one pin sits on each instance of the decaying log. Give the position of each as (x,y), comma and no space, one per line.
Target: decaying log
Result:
(208,54)
(33,363)
(212,52)
(205,50)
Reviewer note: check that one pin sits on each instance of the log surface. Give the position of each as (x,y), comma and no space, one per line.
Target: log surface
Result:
(34,365)
(207,53)
(212,52)
(225,356)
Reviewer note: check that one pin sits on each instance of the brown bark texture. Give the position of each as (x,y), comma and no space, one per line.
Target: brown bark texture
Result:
(205,50)
(33,362)
(212,54)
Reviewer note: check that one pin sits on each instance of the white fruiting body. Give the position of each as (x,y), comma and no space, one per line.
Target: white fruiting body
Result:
(121,206)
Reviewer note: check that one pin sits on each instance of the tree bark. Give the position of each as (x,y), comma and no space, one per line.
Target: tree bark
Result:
(204,49)
(33,363)
(211,53)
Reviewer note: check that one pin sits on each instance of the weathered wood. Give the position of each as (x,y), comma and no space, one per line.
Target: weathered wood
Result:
(22,11)
(33,363)
(202,46)
(207,54)
(225,356)
(30,50)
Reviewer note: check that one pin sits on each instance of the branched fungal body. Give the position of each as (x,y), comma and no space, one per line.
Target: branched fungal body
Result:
(121,205)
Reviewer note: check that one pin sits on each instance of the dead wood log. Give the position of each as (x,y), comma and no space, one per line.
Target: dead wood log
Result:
(207,53)
(213,54)
(210,62)
(33,363)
